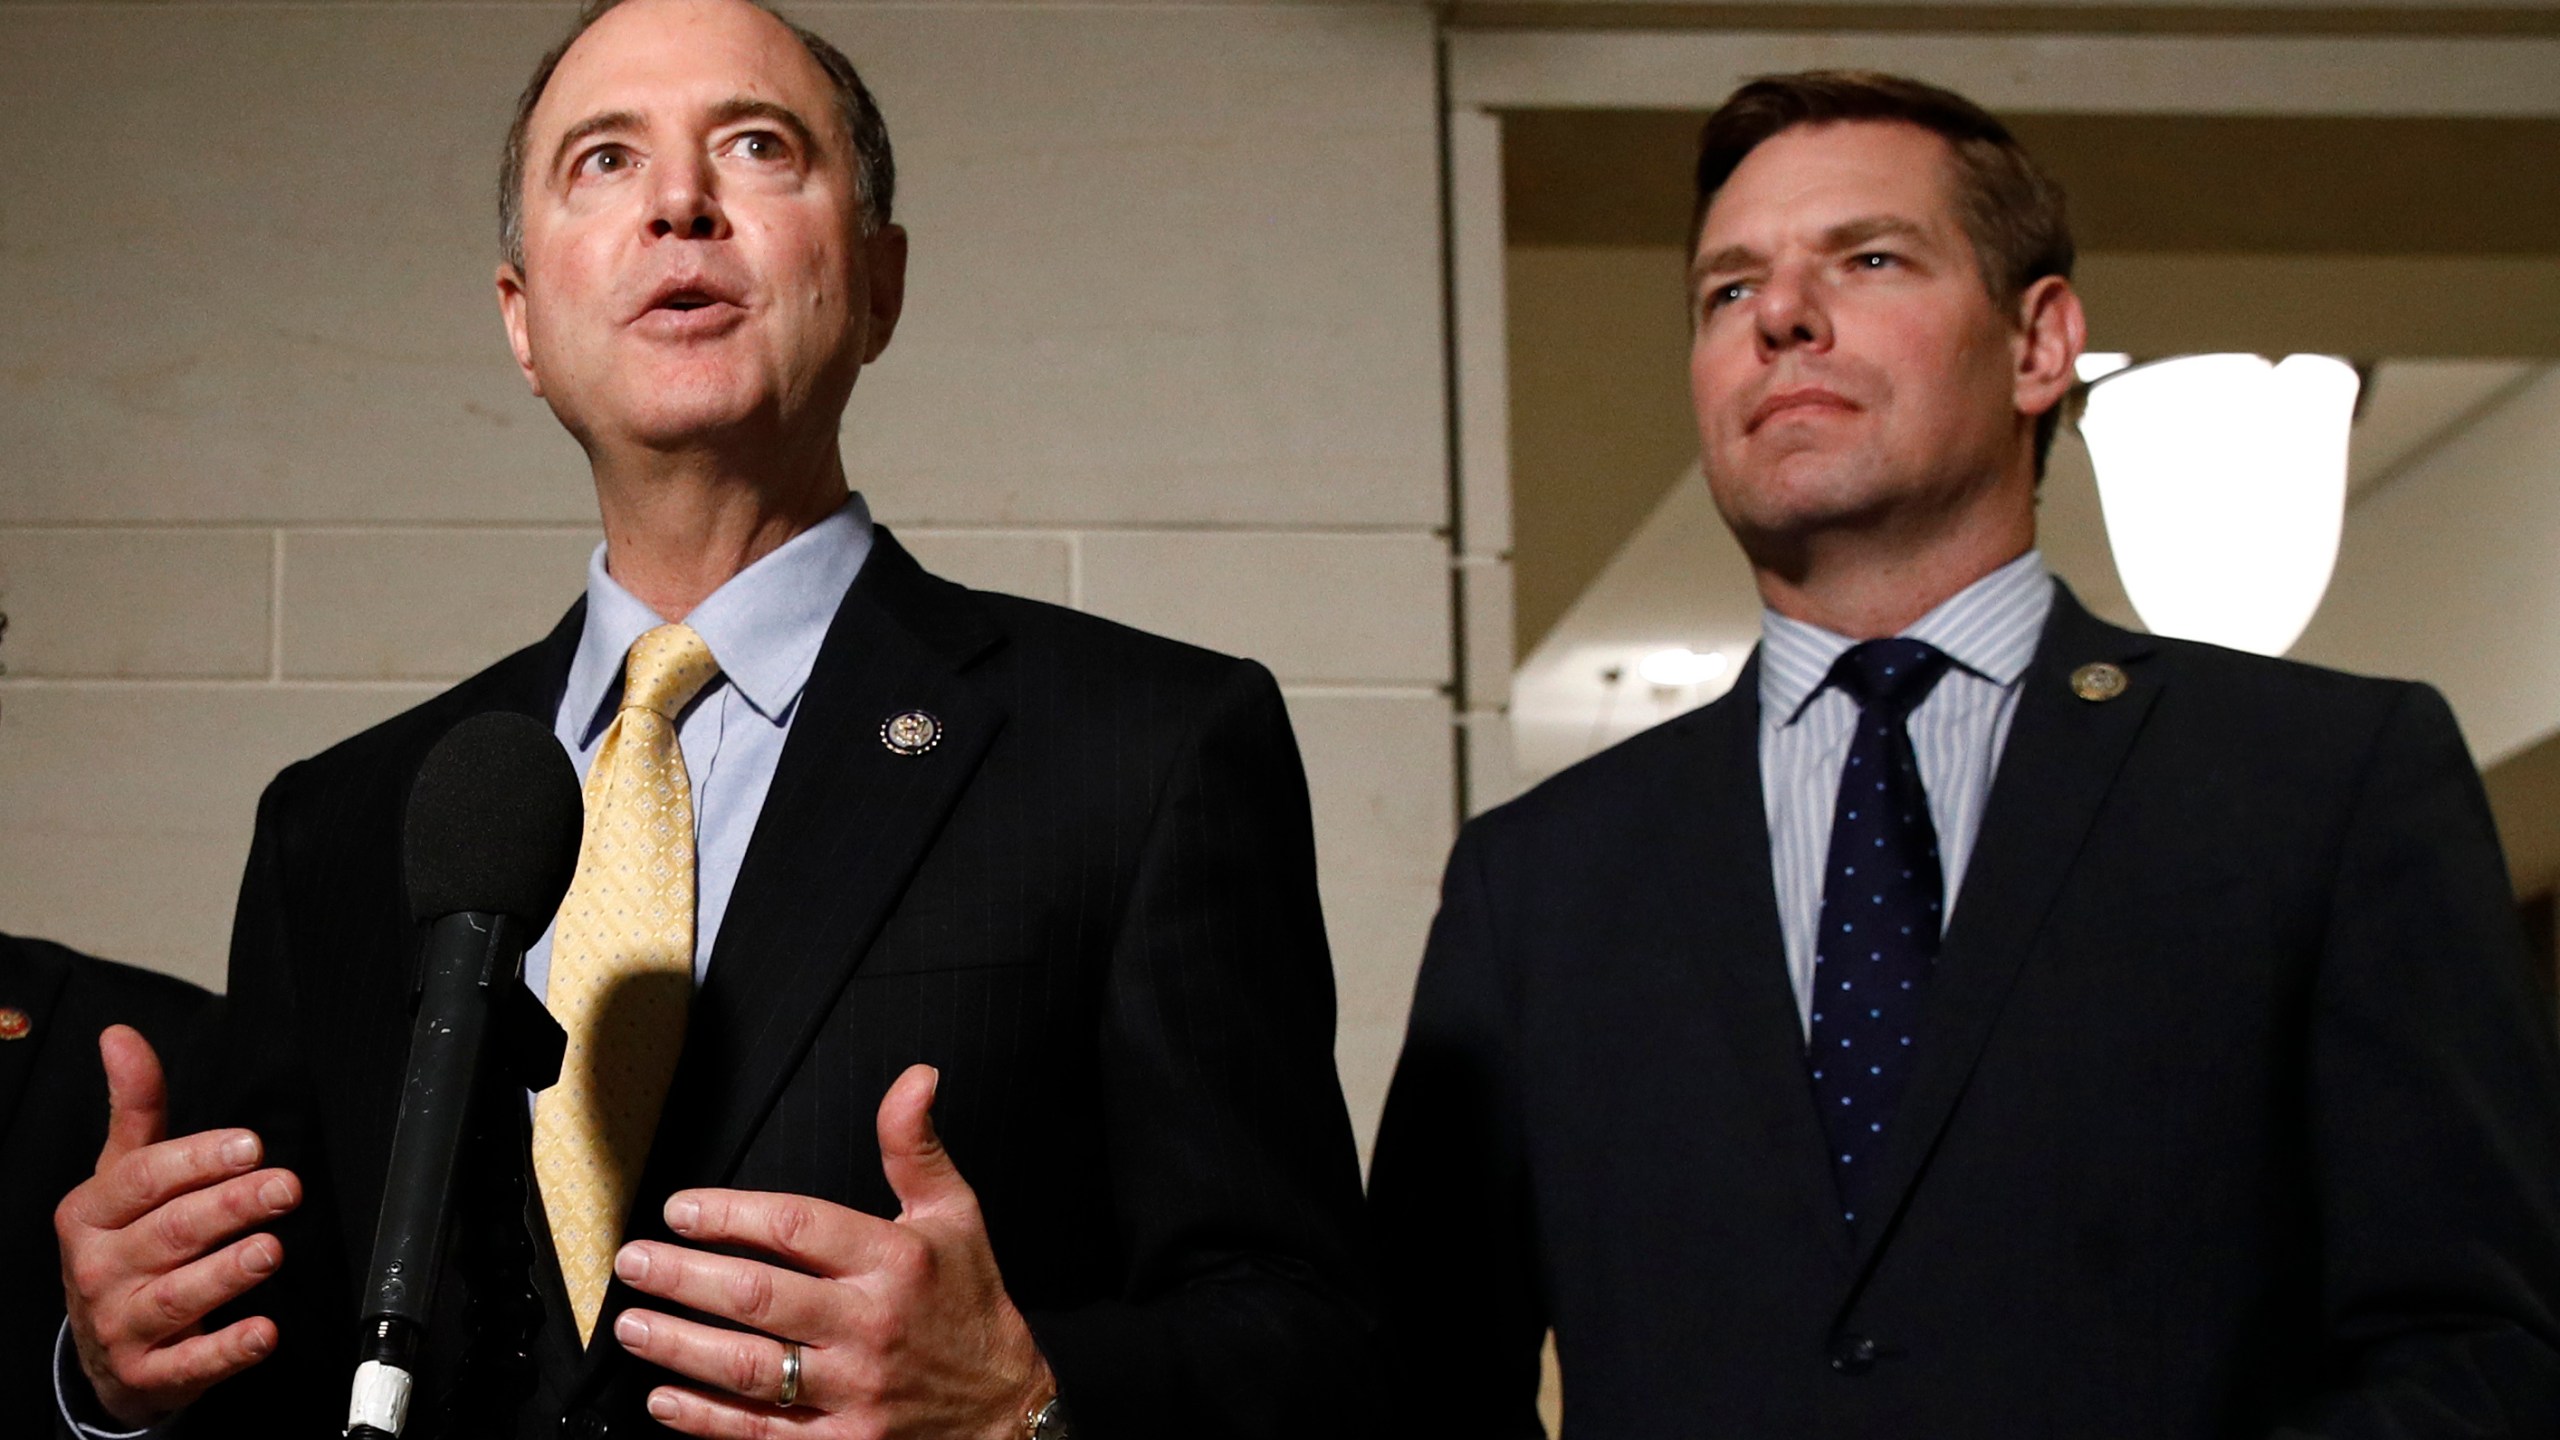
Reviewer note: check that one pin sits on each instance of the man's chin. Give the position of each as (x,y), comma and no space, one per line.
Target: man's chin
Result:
(1799,493)
(676,420)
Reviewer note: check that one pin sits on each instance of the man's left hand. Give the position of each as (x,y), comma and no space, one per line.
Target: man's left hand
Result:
(903,1325)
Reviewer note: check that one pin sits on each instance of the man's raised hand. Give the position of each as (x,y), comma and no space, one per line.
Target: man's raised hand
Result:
(136,1275)
(904,1325)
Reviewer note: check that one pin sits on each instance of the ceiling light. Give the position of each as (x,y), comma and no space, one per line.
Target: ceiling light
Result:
(1680,666)
(2097,365)
(2224,482)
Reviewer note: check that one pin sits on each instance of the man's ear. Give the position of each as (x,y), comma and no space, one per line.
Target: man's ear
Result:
(2052,331)
(886,256)
(511,302)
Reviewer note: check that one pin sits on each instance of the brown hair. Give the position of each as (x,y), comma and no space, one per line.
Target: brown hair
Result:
(866,133)
(2010,208)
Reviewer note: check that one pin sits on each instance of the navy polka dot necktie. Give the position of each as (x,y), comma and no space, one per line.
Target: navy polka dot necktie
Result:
(1882,893)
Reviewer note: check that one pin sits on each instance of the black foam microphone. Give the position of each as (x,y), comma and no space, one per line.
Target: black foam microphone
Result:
(489,843)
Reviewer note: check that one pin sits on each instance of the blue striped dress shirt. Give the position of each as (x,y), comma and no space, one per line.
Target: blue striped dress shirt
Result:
(1989,630)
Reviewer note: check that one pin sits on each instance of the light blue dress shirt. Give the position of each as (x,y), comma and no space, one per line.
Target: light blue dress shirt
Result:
(1989,630)
(764,628)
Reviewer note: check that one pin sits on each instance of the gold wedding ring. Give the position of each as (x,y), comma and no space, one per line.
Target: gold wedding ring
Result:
(790,1375)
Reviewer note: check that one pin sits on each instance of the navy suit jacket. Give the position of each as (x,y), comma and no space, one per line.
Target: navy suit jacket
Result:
(2237,1109)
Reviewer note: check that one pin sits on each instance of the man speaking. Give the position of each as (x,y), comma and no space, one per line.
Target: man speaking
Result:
(1983,1021)
(992,1095)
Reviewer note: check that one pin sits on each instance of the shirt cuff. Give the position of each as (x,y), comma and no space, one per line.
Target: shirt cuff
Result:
(77,1402)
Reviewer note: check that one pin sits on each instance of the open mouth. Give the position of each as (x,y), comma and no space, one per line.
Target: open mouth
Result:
(684,297)
(690,312)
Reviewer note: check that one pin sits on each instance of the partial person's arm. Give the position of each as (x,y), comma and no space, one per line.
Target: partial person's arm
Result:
(1449,1189)
(2435,1088)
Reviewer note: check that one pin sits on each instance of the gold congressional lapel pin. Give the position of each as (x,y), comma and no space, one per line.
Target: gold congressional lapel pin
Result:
(14,1024)
(910,732)
(2098,682)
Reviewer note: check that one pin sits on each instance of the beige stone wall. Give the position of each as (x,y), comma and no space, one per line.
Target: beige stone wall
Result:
(1172,353)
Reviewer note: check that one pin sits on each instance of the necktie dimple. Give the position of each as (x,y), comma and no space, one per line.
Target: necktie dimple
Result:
(1883,893)
(621,966)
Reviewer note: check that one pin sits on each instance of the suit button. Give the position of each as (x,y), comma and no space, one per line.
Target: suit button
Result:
(584,1425)
(1853,1354)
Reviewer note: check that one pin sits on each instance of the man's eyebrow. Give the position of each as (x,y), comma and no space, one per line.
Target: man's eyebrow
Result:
(593,125)
(1850,234)
(742,107)
(1731,257)
(1847,235)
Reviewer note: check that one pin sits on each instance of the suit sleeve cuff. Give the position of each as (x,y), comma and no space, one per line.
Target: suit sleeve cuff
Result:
(1107,1360)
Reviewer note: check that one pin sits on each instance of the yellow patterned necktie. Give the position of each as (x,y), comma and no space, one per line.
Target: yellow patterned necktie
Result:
(621,966)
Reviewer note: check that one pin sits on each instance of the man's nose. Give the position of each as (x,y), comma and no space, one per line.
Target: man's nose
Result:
(1791,314)
(686,203)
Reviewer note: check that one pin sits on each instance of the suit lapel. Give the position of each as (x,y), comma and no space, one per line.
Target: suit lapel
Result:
(1719,863)
(534,688)
(843,827)
(2060,761)
(528,682)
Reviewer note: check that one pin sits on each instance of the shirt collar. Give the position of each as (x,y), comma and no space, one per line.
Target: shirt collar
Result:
(764,626)
(1990,628)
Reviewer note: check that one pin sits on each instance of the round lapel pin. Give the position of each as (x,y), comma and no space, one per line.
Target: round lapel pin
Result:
(14,1023)
(2098,682)
(910,732)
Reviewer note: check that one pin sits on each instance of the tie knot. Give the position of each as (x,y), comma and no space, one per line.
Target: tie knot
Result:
(667,667)
(1895,674)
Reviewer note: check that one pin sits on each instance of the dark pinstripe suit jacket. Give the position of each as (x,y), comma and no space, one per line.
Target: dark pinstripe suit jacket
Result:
(1092,905)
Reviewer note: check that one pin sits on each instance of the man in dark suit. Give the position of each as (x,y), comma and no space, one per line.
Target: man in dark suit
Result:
(54,1005)
(947,868)
(1983,1021)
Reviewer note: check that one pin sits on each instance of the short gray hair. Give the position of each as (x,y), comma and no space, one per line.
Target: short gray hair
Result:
(875,170)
